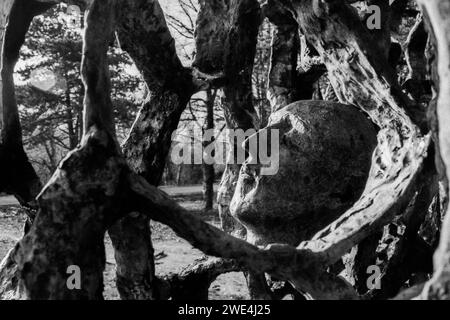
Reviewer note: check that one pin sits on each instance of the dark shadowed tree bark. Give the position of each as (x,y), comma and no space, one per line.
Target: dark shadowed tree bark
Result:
(193,282)
(283,82)
(17,176)
(416,83)
(382,35)
(208,169)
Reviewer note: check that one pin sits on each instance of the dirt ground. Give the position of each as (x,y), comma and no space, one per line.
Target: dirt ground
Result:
(173,253)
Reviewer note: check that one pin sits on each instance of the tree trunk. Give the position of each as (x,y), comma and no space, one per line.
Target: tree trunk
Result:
(85,195)
(235,60)
(152,48)
(17,176)
(283,82)
(72,132)
(208,169)
(416,83)
(382,36)
(229,48)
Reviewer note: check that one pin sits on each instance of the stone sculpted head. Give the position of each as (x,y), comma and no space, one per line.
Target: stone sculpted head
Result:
(325,151)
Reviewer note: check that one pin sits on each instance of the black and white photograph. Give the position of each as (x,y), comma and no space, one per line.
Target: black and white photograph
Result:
(219,156)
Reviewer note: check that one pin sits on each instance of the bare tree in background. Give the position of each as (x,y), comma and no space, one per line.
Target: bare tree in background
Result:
(183,25)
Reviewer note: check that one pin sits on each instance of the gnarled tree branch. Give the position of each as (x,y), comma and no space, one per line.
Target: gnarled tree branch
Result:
(361,76)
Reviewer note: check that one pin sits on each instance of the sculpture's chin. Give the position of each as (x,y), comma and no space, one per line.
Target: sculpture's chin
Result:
(288,223)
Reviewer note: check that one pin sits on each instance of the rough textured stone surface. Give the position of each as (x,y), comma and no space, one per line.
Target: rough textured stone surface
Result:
(325,156)
(438,15)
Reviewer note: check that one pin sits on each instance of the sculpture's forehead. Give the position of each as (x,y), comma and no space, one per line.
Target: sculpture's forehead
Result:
(308,108)
(318,115)
(313,132)
(302,117)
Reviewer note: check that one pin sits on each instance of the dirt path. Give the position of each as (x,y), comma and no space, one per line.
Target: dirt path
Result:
(177,253)
(177,191)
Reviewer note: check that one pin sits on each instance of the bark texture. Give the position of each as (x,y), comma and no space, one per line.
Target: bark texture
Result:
(208,169)
(285,47)
(417,84)
(193,282)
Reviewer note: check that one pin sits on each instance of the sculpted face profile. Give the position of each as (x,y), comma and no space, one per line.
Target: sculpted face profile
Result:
(325,151)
